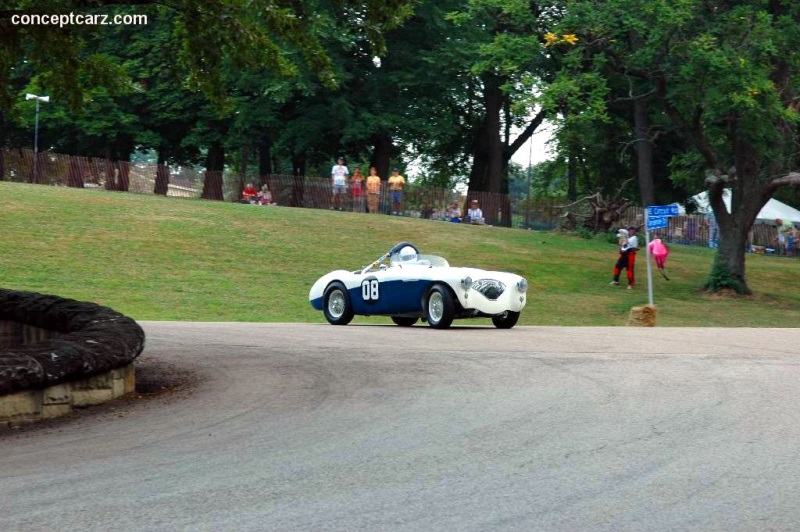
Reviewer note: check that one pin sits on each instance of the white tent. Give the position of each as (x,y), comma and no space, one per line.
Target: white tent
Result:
(771,211)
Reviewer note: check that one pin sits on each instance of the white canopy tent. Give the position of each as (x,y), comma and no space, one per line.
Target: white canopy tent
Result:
(773,210)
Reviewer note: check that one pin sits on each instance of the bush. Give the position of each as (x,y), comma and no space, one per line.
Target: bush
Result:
(720,279)
(585,233)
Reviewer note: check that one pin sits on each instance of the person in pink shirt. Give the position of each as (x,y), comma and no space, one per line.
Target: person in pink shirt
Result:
(659,251)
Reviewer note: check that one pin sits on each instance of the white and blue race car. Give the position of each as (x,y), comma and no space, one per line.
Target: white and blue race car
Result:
(412,286)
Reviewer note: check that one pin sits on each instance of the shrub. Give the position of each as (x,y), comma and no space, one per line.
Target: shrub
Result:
(720,279)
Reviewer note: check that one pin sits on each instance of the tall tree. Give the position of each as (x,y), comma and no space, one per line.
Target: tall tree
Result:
(724,74)
(284,37)
(507,47)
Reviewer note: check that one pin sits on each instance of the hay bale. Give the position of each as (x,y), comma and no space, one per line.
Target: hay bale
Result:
(644,316)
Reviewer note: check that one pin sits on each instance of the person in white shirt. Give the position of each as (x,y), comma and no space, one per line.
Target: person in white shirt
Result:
(627,256)
(474,213)
(339,175)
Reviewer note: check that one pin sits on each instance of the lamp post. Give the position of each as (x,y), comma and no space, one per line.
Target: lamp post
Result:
(38,99)
(528,198)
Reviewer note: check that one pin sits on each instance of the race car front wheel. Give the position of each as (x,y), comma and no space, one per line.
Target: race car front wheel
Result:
(439,308)
(506,320)
(338,309)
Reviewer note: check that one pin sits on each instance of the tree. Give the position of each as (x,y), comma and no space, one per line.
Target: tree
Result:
(286,38)
(504,54)
(723,72)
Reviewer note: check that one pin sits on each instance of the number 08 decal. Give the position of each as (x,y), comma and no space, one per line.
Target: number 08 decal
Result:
(370,290)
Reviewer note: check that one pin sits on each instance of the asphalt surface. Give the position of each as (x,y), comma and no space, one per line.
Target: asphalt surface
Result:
(315,427)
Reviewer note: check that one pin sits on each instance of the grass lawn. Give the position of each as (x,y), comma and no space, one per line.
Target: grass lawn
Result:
(156,258)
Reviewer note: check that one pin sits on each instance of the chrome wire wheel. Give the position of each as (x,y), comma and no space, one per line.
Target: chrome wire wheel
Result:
(435,307)
(439,307)
(337,307)
(336,303)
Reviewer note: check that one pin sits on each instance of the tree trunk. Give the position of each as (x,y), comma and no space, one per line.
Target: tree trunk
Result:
(486,174)
(162,173)
(215,164)
(572,174)
(728,270)
(244,161)
(299,182)
(265,157)
(479,173)
(644,152)
(382,150)
(110,170)
(298,164)
(748,196)
(3,135)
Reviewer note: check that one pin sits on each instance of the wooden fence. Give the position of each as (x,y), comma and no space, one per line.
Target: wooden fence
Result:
(315,193)
(702,230)
(292,191)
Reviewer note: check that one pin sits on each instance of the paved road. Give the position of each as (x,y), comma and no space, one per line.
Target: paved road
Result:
(314,427)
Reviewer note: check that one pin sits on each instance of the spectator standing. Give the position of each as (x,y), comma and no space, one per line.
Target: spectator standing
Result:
(796,234)
(627,256)
(396,184)
(339,175)
(357,190)
(660,252)
(474,213)
(780,242)
(713,230)
(373,190)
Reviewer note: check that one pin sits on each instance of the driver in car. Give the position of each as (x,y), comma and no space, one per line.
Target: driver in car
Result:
(406,255)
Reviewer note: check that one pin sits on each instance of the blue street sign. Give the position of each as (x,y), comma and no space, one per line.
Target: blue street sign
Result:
(656,222)
(662,210)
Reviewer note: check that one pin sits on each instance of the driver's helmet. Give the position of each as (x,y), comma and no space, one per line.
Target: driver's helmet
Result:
(405,255)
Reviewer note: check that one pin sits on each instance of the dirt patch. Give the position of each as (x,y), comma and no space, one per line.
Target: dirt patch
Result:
(726,293)
(156,380)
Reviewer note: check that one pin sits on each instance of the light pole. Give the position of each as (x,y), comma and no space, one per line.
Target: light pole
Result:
(528,198)
(38,99)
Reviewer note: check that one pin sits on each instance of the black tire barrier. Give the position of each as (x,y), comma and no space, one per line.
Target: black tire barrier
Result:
(88,340)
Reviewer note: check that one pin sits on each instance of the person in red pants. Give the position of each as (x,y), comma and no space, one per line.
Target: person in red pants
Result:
(627,256)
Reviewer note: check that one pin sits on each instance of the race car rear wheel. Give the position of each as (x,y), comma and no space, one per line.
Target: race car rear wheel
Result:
(506,321)
(439,307)
(337,307)
(403,321)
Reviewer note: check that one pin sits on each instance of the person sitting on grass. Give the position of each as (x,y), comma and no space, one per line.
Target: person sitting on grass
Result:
(265,196)
(454,212)
(249,194)
(474,214)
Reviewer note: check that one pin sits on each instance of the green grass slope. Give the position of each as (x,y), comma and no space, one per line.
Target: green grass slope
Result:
(156,258)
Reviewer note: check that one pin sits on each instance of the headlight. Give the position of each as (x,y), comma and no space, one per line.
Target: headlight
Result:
(466,282)
(522,285)
(490,288)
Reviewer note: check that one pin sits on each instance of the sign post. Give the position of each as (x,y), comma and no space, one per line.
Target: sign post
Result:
(655,217)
